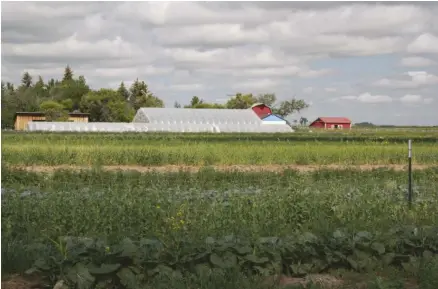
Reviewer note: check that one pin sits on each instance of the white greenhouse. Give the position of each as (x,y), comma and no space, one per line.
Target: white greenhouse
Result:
(173,120)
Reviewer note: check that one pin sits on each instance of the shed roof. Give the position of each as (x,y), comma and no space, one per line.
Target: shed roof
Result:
(40,113)
(334,119)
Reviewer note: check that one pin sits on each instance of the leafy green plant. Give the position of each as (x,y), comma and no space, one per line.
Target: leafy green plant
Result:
(85,262)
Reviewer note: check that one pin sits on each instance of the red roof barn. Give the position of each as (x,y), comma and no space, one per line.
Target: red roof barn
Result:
(331,122)
(261,109)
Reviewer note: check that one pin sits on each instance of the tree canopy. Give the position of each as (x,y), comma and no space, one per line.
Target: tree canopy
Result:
(56,98)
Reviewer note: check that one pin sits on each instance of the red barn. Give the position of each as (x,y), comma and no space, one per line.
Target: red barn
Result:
(261,109)
(331,123)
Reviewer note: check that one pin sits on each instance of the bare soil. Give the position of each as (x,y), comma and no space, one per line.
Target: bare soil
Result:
(21,282)
(240,168)
(325,281)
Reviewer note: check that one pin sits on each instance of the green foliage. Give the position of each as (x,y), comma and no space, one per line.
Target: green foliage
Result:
(196,102)
(74,93)
(86,263)
(288,107)
(54,111)
(68,75)
(123,92)
(106,105)
(141,96)
(241,101)
(26,80)
(268,98)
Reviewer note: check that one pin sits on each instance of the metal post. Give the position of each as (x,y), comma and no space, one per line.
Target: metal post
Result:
(410,173)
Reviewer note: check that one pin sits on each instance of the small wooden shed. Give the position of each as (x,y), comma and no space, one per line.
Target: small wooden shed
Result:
(21,119)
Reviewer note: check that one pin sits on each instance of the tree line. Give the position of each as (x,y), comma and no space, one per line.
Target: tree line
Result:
(56,98)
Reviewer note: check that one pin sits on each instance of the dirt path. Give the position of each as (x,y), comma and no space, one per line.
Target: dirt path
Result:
(240,168)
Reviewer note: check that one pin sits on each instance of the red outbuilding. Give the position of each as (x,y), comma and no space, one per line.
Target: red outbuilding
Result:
(261,109)
(331,123)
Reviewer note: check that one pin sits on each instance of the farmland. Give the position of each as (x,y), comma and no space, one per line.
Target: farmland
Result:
(177,227)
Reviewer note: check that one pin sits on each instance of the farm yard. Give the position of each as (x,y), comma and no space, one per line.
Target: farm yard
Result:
(151,210)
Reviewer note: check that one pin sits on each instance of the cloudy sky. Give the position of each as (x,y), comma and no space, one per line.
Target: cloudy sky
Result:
(367,61)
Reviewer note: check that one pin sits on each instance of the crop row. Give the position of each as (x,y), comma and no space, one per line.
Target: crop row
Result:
(205,153)
(90,263)
(379,136)
(179,206)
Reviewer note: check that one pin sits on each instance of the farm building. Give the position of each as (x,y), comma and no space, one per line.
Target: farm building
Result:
(261,109)
(151,119)
(21,119)
(273,119)
(220,120)
(331,123)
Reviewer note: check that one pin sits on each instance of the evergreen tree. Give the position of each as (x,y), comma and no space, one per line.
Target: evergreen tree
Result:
(26,80)
(68,74)
(123,91)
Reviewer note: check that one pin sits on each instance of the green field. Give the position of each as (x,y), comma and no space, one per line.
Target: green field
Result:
(220,229)
(354,148)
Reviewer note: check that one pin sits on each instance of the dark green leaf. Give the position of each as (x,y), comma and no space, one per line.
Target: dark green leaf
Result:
(388,258)
(352,263)
(209,241)
(338,234)
(256,260)
(216,260)
(242,250)
(103,269)
(378,247)
(129,249)
(427,254)
(301,269)
(128,278)
(202,269)
(80,276)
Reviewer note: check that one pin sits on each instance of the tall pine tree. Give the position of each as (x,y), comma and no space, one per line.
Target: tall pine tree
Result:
(68,74)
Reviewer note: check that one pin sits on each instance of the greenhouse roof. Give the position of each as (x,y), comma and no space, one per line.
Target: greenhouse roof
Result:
(196,116)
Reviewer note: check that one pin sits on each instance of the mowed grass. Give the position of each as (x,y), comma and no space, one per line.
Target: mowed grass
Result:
(205,149)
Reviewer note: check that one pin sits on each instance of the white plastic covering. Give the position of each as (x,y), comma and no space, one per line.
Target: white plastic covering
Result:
(173,120)
(222,120)
(196,116)
(115,127)
(149,127)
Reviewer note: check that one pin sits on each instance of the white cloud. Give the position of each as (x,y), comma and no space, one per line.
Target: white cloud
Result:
(415,99)
(254,85)
(366,98)
(71,47)
(417,79)
(425,43)
(186,87)
(211,34)
(330,89)
(411,98)
(416,61)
